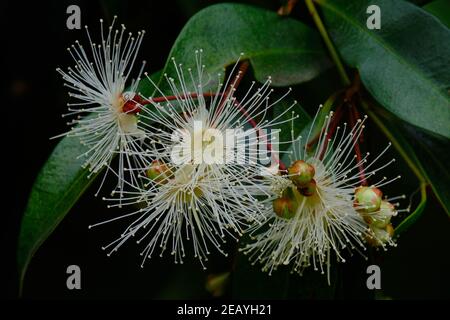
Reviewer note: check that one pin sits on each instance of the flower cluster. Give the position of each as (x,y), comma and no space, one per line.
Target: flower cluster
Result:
(323,209)
(187,194)
(200,162)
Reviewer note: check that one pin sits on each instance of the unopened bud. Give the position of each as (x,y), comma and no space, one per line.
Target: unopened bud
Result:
(309,189)
(381,236)
(301,173)
(390,229)
(383,217)
(367,199)
(285,207)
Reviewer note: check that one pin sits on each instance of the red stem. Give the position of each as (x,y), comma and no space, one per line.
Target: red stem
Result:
(134,105)
(353,116)
(242,69)
(144,102)
(286,9)
(331,129)
(334,122)
(253,123)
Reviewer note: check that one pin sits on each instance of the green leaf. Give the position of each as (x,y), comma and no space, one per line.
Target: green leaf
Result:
(58,186)
(298,125)
(303,126)
(405,65)
(433,154)
(416,214)
(283,48)
(427,152)
(56,189)
(440,9)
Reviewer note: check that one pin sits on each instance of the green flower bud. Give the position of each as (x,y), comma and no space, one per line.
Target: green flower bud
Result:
(301,173)
(381,235)
(285,207)
(390,229)
(368,199)
(383,217)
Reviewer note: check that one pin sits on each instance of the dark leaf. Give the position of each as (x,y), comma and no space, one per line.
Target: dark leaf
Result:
(405,65)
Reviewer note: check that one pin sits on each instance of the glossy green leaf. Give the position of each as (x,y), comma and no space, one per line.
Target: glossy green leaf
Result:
(415,215)
(283,48)
(297,125)
(440,9)
(433,154)
(56,189)
(405,65)
(58,186)
(427,152)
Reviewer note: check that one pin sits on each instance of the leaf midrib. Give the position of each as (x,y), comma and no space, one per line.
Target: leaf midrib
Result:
(387,47)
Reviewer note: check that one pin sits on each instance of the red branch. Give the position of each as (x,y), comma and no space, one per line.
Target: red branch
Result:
(286,9)
(243,67)
(331,129)
(253,123)
(134,106)
(242,70)
(334,122)
(353,116)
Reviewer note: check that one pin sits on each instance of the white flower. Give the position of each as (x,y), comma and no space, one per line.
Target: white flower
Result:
(201,186)
(316,215)
(106,121)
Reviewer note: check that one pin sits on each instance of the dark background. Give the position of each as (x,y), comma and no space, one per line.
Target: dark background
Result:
(33,98)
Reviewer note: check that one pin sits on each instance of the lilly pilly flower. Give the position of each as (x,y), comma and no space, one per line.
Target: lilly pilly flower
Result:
(316,214)
(106,121)
(201,184)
